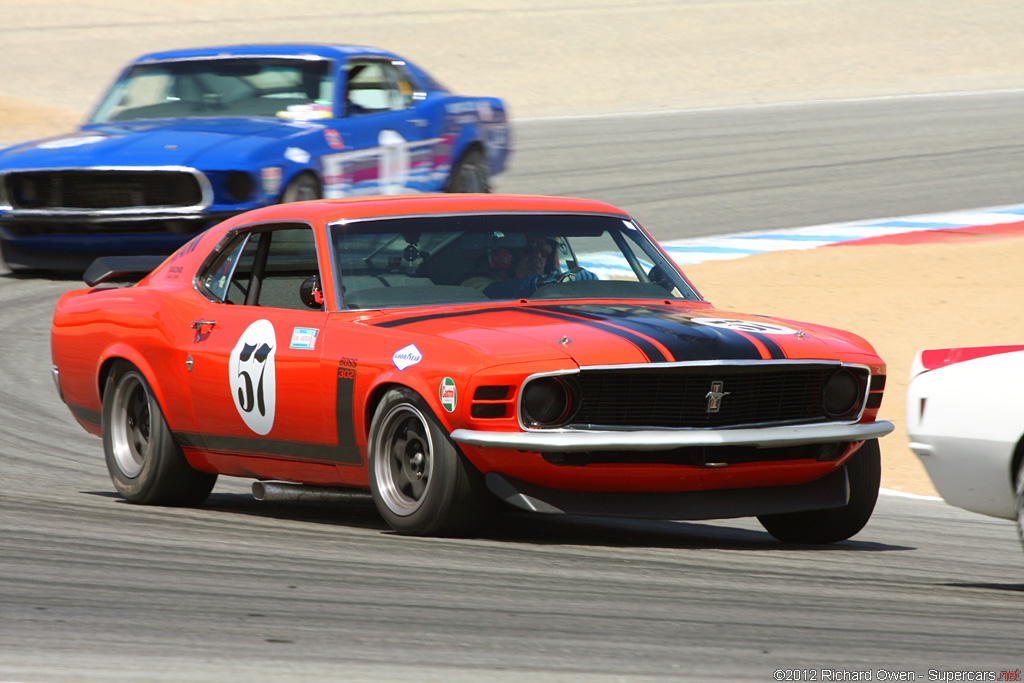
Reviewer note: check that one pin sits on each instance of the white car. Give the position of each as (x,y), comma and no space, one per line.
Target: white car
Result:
(965,418)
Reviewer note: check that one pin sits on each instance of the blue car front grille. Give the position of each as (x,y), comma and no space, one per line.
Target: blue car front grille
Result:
(90,190)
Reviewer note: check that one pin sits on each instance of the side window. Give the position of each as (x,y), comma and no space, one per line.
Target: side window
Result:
(274,268)
(375,86)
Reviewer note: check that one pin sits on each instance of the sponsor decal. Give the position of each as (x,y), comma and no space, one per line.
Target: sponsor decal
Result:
(252,376)
(448,394)
(715,396)
(304,338)
(406,356)
(296,154)
(334,139)
(745,326)
(270,179)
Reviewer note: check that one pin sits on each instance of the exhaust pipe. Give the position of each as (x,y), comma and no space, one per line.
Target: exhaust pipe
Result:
(277,491)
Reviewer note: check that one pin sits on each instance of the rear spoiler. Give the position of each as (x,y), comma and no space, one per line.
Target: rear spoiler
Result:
(108,268)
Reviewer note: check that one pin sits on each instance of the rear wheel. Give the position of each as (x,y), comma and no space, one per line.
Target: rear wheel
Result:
(422,485)
(145,463)
(470,174)
(864,470)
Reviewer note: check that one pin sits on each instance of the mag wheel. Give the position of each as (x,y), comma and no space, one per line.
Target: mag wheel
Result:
(300,189)
(864,470)
(420,482)
(470,174)
(145,463)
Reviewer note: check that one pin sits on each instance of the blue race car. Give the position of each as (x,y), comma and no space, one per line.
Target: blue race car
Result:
(184,139)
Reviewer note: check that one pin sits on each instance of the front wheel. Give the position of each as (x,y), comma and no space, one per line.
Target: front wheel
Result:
(420,482)
(303,188)
(145,464)
(864,470)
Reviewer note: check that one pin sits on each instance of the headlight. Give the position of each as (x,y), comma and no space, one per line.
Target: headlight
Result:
(841,395)
(547,402)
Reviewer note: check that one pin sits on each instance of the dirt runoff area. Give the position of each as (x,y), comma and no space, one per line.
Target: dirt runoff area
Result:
(580,57)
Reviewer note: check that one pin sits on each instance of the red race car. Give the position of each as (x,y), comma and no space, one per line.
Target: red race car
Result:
(449,352)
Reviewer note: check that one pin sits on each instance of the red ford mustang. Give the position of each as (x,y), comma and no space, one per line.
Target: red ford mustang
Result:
(450,352)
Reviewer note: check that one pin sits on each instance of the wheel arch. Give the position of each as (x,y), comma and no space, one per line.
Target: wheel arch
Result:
(122,353)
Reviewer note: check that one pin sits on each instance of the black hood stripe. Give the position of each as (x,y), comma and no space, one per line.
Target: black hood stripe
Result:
(684,342)
(650,328)
(645,346)
(648,348)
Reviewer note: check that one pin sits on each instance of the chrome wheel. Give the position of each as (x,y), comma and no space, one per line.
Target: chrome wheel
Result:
(404,460)
(131,424)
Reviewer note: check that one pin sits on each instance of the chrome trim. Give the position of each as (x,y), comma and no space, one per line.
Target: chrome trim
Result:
(55,373)
(574,440)
(491,212)
(205,188)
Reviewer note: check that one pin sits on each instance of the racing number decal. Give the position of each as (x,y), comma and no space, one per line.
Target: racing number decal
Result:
(252,376)
(394,162)
(745,326)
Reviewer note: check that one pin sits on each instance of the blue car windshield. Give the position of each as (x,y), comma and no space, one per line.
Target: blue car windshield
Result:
(429,260)
(296,89)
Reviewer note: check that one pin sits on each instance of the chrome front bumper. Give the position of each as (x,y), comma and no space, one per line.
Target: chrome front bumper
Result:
(570,440)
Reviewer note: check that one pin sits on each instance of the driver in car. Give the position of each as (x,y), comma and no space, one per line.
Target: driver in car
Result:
(517,273)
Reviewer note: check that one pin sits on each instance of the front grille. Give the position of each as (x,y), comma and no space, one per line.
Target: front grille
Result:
(677,397)
(108,189)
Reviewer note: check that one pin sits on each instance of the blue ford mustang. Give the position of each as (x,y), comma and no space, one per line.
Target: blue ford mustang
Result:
(183,139)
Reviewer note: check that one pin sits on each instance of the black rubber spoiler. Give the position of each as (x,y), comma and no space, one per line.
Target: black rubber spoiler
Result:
(130,268)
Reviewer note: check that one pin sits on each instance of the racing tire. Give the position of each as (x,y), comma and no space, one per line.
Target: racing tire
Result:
(302,188)
(145,464)
(420,482)
(1019,489)
(471,174)
(864,470)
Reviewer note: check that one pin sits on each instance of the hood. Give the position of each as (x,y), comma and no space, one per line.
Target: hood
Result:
(624,333)
(168,142)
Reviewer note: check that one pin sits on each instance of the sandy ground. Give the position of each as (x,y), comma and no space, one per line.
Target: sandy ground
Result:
(578,57)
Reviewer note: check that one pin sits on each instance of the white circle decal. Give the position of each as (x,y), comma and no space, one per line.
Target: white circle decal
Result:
(744,325)
(252,376)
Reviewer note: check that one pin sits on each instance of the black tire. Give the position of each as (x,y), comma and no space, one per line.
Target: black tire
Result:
(145,463)
(471,174)
(302,188)
(421,483)
(1020,503)
(864,470)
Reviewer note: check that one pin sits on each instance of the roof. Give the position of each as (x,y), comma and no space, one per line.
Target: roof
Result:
(338,52)
(330,210)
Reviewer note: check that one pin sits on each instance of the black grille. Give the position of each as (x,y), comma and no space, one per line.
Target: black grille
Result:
(129,189)
(677,397)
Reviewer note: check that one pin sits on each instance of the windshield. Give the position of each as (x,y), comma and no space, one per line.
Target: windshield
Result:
(266,87)
(463,258)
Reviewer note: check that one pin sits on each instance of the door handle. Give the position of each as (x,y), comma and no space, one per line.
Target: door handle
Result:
(419,123)
(202,327)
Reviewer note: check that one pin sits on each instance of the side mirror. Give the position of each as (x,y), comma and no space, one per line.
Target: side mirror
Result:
(311,294)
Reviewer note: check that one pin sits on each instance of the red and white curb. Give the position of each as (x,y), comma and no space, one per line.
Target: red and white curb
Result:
(739,245)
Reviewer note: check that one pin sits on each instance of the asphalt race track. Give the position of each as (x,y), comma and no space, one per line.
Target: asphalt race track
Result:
(92,588)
